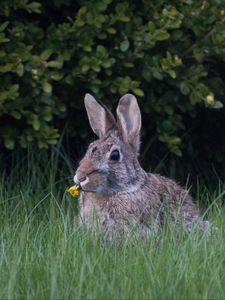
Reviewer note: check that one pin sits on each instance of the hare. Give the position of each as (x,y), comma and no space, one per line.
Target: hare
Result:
(114,187)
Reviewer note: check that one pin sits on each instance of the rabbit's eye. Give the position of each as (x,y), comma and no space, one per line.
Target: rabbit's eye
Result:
(115,155)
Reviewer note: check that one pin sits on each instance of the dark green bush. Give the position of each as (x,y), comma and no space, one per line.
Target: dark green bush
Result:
(170,54)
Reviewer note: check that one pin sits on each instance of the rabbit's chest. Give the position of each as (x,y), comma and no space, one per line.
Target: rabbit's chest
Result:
(109,211)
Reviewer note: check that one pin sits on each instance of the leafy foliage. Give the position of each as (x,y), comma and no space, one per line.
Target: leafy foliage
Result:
(169,55)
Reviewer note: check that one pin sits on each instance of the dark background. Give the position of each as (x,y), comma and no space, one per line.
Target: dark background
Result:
(171,56)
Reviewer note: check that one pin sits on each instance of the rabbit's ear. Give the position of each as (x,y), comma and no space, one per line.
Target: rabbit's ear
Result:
(129,120)
(100,118)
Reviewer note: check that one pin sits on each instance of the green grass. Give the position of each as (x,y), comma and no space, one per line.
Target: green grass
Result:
(45,255)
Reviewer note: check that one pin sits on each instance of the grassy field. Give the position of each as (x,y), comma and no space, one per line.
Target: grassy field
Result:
(45,255)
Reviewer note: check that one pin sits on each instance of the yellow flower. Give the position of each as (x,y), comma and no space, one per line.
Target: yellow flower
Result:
(74,190)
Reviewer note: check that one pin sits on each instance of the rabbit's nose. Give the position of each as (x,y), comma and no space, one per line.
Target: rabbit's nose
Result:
(82,179)
(79,180)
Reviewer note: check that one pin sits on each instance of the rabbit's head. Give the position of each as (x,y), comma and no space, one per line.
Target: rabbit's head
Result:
(110,164)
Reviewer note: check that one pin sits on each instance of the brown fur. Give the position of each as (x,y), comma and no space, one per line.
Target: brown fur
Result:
(119,196)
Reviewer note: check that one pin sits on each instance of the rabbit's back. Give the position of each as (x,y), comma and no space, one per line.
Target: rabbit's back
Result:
(176,201)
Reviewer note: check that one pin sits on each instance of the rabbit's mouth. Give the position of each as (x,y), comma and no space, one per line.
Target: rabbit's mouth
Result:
(81,181)
(91,182)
